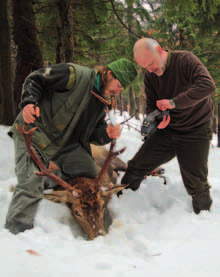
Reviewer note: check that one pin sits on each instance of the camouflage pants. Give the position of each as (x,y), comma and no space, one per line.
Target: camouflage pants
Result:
(74,161)
(191,149)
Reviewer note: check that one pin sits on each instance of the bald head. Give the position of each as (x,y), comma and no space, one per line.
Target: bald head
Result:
(143,45)
(148,54)
(146,43)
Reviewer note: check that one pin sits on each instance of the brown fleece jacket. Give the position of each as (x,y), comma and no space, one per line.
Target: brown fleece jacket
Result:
(187,81)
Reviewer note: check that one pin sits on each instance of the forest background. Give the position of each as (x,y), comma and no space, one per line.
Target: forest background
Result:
(37,33)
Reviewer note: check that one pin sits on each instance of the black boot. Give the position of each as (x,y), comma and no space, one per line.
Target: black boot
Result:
(17,227)
(201,202)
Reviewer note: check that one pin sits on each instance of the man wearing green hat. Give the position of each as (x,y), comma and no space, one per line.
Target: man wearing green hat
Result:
(60,101)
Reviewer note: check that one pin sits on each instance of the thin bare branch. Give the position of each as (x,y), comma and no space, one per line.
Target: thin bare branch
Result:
(120,20)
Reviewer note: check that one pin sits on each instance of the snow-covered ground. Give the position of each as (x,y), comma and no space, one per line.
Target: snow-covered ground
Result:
(154,231)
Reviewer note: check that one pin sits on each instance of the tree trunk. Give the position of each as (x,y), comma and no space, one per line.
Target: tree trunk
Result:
(219,124)
(29,57)
(131,101)
(65,42)
(7,111)
(137,101)
(142,104)
(120,104)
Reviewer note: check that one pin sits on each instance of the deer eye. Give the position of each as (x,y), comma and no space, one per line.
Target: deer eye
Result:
(77,213)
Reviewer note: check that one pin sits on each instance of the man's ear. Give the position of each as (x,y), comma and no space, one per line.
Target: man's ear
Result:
(110,75)
(159,49)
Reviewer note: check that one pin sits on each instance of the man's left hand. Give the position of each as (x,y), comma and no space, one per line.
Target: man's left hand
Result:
(163,124)
(113,132)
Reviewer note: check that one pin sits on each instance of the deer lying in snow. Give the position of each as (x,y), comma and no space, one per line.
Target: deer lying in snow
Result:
(87,198)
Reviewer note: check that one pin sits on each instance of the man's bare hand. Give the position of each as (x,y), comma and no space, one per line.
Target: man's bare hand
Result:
(29,112)
(113,131)
(166,104)
(163,124)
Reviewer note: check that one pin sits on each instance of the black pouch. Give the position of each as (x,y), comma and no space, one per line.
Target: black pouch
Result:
(151,121)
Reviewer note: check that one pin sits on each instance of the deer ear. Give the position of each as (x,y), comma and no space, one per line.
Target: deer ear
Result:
(110,190)
(60,197)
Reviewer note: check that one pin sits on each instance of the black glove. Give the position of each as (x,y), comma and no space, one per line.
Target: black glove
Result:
(134,182)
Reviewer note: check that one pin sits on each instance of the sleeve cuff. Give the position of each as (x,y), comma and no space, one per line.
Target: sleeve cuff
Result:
(176,106)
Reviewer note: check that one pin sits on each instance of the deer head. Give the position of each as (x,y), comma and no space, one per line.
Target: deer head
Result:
(86,197)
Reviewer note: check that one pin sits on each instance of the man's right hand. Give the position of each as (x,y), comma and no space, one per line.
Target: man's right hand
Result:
(29,112)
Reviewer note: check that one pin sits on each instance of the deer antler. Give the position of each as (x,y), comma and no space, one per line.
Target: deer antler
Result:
(110,156)
(44,171)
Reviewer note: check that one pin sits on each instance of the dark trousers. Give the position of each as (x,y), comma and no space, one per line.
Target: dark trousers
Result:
(191,149)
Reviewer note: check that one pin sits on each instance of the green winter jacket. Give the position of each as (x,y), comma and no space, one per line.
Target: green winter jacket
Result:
(63,94)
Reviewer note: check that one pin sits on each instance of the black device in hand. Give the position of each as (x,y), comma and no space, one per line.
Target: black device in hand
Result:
(151,121)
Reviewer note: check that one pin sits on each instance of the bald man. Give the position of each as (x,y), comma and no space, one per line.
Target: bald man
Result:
(176,81)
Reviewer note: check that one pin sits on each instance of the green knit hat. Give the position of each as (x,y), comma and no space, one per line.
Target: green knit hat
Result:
(124,71)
